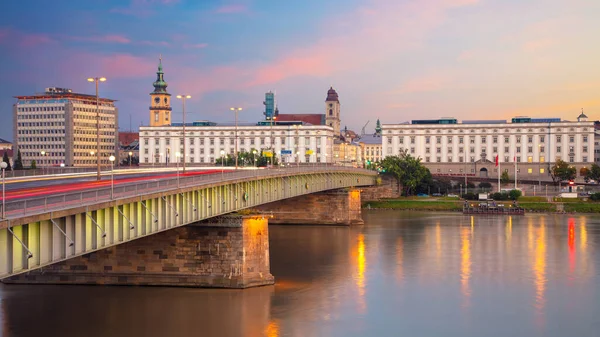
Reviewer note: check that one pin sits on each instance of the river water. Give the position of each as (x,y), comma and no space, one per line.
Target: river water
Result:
(402,274)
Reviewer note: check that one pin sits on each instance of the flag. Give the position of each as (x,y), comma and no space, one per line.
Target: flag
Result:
(496,160)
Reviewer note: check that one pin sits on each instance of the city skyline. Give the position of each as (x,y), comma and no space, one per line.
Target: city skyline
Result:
(392,60)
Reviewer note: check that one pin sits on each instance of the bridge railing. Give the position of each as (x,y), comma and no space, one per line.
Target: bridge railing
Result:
(37,205)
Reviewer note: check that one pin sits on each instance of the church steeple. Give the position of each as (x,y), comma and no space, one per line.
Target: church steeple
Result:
(160,86)
(378,128)
(160,100)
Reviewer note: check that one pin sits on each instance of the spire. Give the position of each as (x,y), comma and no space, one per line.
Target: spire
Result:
(160,86)
(332,95)
(582,117)
(378,127)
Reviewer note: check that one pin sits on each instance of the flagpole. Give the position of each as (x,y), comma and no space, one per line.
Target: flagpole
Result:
(515,172)
(498,165)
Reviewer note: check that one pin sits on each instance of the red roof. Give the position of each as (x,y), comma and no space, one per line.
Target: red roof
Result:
(314,119)
(126,138)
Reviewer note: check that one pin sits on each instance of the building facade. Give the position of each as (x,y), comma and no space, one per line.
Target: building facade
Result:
(332,111)
(296,143)
(5,144)
(60,127)
(160,100)
(470,148)
(371,145)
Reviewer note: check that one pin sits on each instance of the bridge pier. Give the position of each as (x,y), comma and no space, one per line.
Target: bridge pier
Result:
(340,207)
(223,252)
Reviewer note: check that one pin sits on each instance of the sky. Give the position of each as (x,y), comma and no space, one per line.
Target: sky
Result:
(393,60)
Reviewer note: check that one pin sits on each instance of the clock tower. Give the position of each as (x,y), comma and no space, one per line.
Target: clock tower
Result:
(160,100)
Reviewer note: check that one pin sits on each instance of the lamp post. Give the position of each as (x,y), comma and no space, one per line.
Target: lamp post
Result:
(130,153)
(3,166)
(539,168)
(254,157)
(298,158)
(43,153)
(236,140)
(183,98)
(272,140)
(177,154)
(112,179)
(97,80)
(222,163)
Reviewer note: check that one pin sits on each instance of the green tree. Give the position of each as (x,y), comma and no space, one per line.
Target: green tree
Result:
(407,170)
(504,178)
(6,160)
(33,165)
(514,194)
(562,171)
(18,163)
(593,173)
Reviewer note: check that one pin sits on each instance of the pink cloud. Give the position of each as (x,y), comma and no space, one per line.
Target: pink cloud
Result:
(423,84)
(538,44)
(112,66)
(104,39)
(154,43)
(32,40)
(231,9)
(195,46)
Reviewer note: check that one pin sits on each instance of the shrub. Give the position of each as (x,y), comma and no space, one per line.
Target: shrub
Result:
(499,196)
(485,184)
(514,194)
(595,196)
(470,196)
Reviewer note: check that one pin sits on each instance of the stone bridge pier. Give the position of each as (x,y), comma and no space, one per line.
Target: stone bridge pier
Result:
(340,207)
(222,252)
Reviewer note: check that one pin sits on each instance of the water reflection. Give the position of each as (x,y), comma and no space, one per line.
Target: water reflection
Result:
(402,274)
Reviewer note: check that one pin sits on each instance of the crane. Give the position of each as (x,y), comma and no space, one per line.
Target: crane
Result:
(362,133)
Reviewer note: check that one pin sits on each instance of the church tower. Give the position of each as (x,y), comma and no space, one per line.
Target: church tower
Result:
(332,111)
(160,100)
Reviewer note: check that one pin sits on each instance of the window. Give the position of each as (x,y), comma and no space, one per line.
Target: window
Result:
(460,140)
(530,149)
(530,171)
(585,148)
(530,159)
(558,139)
(542,170)
(585,139)
(542,159)
(412,150)
(506,149)
(449,140)
(506,159)
(585,159)
(542,139)
(401,140)
(146,141)
(571,139)
(530,139)
(426,150)
(439,159)
(439,140)
(449,150)
(472,140)
(472,150)
(389,140)
(483,139)
(495,148)
(571,159)
(483,150)
(439,150)
(460,150)
(412,140)
(542,148)
(427,159)
(518,139)
(449,159)
(506,139)
(518,159)
(558,148)
(426,140)
(518,149)
(156,141)
(460,159)
(495,140)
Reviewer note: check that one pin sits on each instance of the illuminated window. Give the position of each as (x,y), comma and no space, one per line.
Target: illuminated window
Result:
(529,171)
(542,170)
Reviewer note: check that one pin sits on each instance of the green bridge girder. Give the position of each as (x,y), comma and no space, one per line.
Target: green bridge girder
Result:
(51,234)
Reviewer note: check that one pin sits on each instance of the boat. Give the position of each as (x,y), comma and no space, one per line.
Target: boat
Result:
(492,207)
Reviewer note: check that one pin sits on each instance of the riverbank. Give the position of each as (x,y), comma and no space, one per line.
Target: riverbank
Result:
(457,205)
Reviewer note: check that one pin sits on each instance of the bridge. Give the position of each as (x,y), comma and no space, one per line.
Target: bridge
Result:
(94,232)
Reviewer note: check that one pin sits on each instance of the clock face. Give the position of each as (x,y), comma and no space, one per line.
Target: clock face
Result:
(157,100)
(166,100)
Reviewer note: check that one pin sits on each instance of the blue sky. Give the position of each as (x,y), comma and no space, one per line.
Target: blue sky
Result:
(390,59)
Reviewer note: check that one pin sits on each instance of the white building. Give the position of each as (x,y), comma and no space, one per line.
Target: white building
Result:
(298,143)
(470,148)
(60,127)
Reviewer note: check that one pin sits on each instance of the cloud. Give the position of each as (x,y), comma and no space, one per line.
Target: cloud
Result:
(32,40)
(423,84)
(539,44)
(142,8)
(231,9)
(103,39)
(154,43)
(195,46)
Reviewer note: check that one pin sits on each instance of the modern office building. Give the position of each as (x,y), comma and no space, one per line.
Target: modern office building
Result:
(60,127)
(271,110)
(447,147)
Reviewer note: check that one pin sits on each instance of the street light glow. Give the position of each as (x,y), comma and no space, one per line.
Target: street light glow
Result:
(111,158)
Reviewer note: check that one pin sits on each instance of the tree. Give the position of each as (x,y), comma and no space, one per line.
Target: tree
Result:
(33,165)
(504,178)
(562,171)
(593,173)
(408,170)
(18,163)
(485,184)
(6,160)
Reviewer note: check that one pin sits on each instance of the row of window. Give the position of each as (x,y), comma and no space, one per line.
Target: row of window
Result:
(54,109)
(210,151)
(40,132)
(210,160)
(222,141)
(232,133)
(472,159)
(486,131)
(449,139)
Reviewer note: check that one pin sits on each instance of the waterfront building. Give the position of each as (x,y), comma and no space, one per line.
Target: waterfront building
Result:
(291,140)
(60,127)
(5,144)
(371,145)
(469,148)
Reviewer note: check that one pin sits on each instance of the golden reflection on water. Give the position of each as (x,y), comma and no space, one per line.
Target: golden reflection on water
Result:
(272,329)
(583,235)
(465,263)
(539,269)
(509,229)
(361,265)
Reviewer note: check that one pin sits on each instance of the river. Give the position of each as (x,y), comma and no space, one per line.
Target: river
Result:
(402,274)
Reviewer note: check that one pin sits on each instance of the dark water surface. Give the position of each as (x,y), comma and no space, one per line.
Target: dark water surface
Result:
(402,274)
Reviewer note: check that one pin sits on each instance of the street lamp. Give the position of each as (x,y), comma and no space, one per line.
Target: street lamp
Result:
(112,180)
(177,154)
(298,158)
(236,140)
(254,157)
(3,166)
(222,163)
(43,153)
(130,153)
(97,80)
(539,168)
(183,98)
